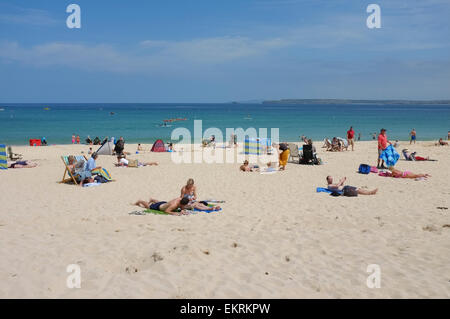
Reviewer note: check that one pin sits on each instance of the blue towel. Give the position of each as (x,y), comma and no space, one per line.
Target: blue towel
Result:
(207,211)
(326,190)
(390,156)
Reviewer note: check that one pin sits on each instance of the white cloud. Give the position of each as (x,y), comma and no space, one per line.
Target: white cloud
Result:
(34,17)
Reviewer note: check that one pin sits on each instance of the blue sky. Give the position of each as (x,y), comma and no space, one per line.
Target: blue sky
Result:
(219,51)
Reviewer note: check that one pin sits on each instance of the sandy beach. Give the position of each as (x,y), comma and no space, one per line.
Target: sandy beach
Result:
(275,237)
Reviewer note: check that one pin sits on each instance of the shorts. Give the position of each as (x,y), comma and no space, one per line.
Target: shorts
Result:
(350,191)
(155,206)
(351,141)
(413,138)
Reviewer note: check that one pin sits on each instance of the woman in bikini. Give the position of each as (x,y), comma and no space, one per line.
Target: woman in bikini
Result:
(406,174)
(189,190)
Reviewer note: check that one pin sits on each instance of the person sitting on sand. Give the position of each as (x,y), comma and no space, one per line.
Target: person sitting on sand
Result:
(405,174)
(122,161)
(139,147)
(340,186)
(91,164)
(310,142)
(245,167)
(441,142)
(189,190)
(412,156)
(336,145)
(22,164)
(82,175)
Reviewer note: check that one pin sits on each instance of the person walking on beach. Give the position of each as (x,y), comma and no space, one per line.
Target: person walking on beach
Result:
(78,139)
(413,136)
(351,137)
(73,138)
(359,137)
(382,144)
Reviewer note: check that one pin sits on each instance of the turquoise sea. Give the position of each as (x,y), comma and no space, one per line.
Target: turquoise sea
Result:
(141,122)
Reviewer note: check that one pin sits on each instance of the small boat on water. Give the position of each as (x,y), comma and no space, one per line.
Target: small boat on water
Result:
(1,109)
(46,109)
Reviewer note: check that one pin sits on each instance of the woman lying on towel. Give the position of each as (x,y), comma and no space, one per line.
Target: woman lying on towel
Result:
(22,164)
(412,156)
(122,161)
(399,174)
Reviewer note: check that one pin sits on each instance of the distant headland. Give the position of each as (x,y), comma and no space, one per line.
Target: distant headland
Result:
(347,101)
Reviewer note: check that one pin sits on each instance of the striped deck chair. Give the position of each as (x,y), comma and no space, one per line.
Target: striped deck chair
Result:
(3,158)
(72,177)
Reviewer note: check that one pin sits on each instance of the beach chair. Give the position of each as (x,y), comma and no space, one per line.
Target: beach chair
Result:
(308,156)
(72,177)
(293,148)
(13,156)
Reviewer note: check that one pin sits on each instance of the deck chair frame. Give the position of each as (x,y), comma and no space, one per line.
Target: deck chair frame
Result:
(294,152)
(13,156)
(67,171)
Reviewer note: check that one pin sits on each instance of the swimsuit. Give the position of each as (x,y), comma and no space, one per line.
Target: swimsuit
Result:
(155,206)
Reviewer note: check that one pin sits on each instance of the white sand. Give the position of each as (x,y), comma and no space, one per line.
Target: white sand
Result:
(276,237)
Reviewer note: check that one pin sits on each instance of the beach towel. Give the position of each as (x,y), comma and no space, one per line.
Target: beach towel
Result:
(390,156)
(207,211)
(91,184)
(3,158)
(158,212)
(103,172)
(329,191)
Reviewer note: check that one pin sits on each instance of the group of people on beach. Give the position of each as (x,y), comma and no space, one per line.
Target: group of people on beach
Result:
(188,200)
(84,171)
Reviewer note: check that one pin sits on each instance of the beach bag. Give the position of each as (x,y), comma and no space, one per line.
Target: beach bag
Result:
(364,169)
(350,191)
(133,163)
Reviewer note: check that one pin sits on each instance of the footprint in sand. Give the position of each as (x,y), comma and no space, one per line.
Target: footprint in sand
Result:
(157,257)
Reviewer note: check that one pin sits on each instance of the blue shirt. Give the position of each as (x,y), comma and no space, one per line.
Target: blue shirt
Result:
(91,164)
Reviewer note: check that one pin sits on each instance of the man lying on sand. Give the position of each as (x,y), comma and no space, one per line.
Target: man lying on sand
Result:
(340,186)
(248,168)
(172,206)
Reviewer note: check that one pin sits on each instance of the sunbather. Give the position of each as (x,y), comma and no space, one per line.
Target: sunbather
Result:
(122,161)
(22,164)
(412,156)
(340,186)
(405,174)
(441,142)
(245,167)
(170,207)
